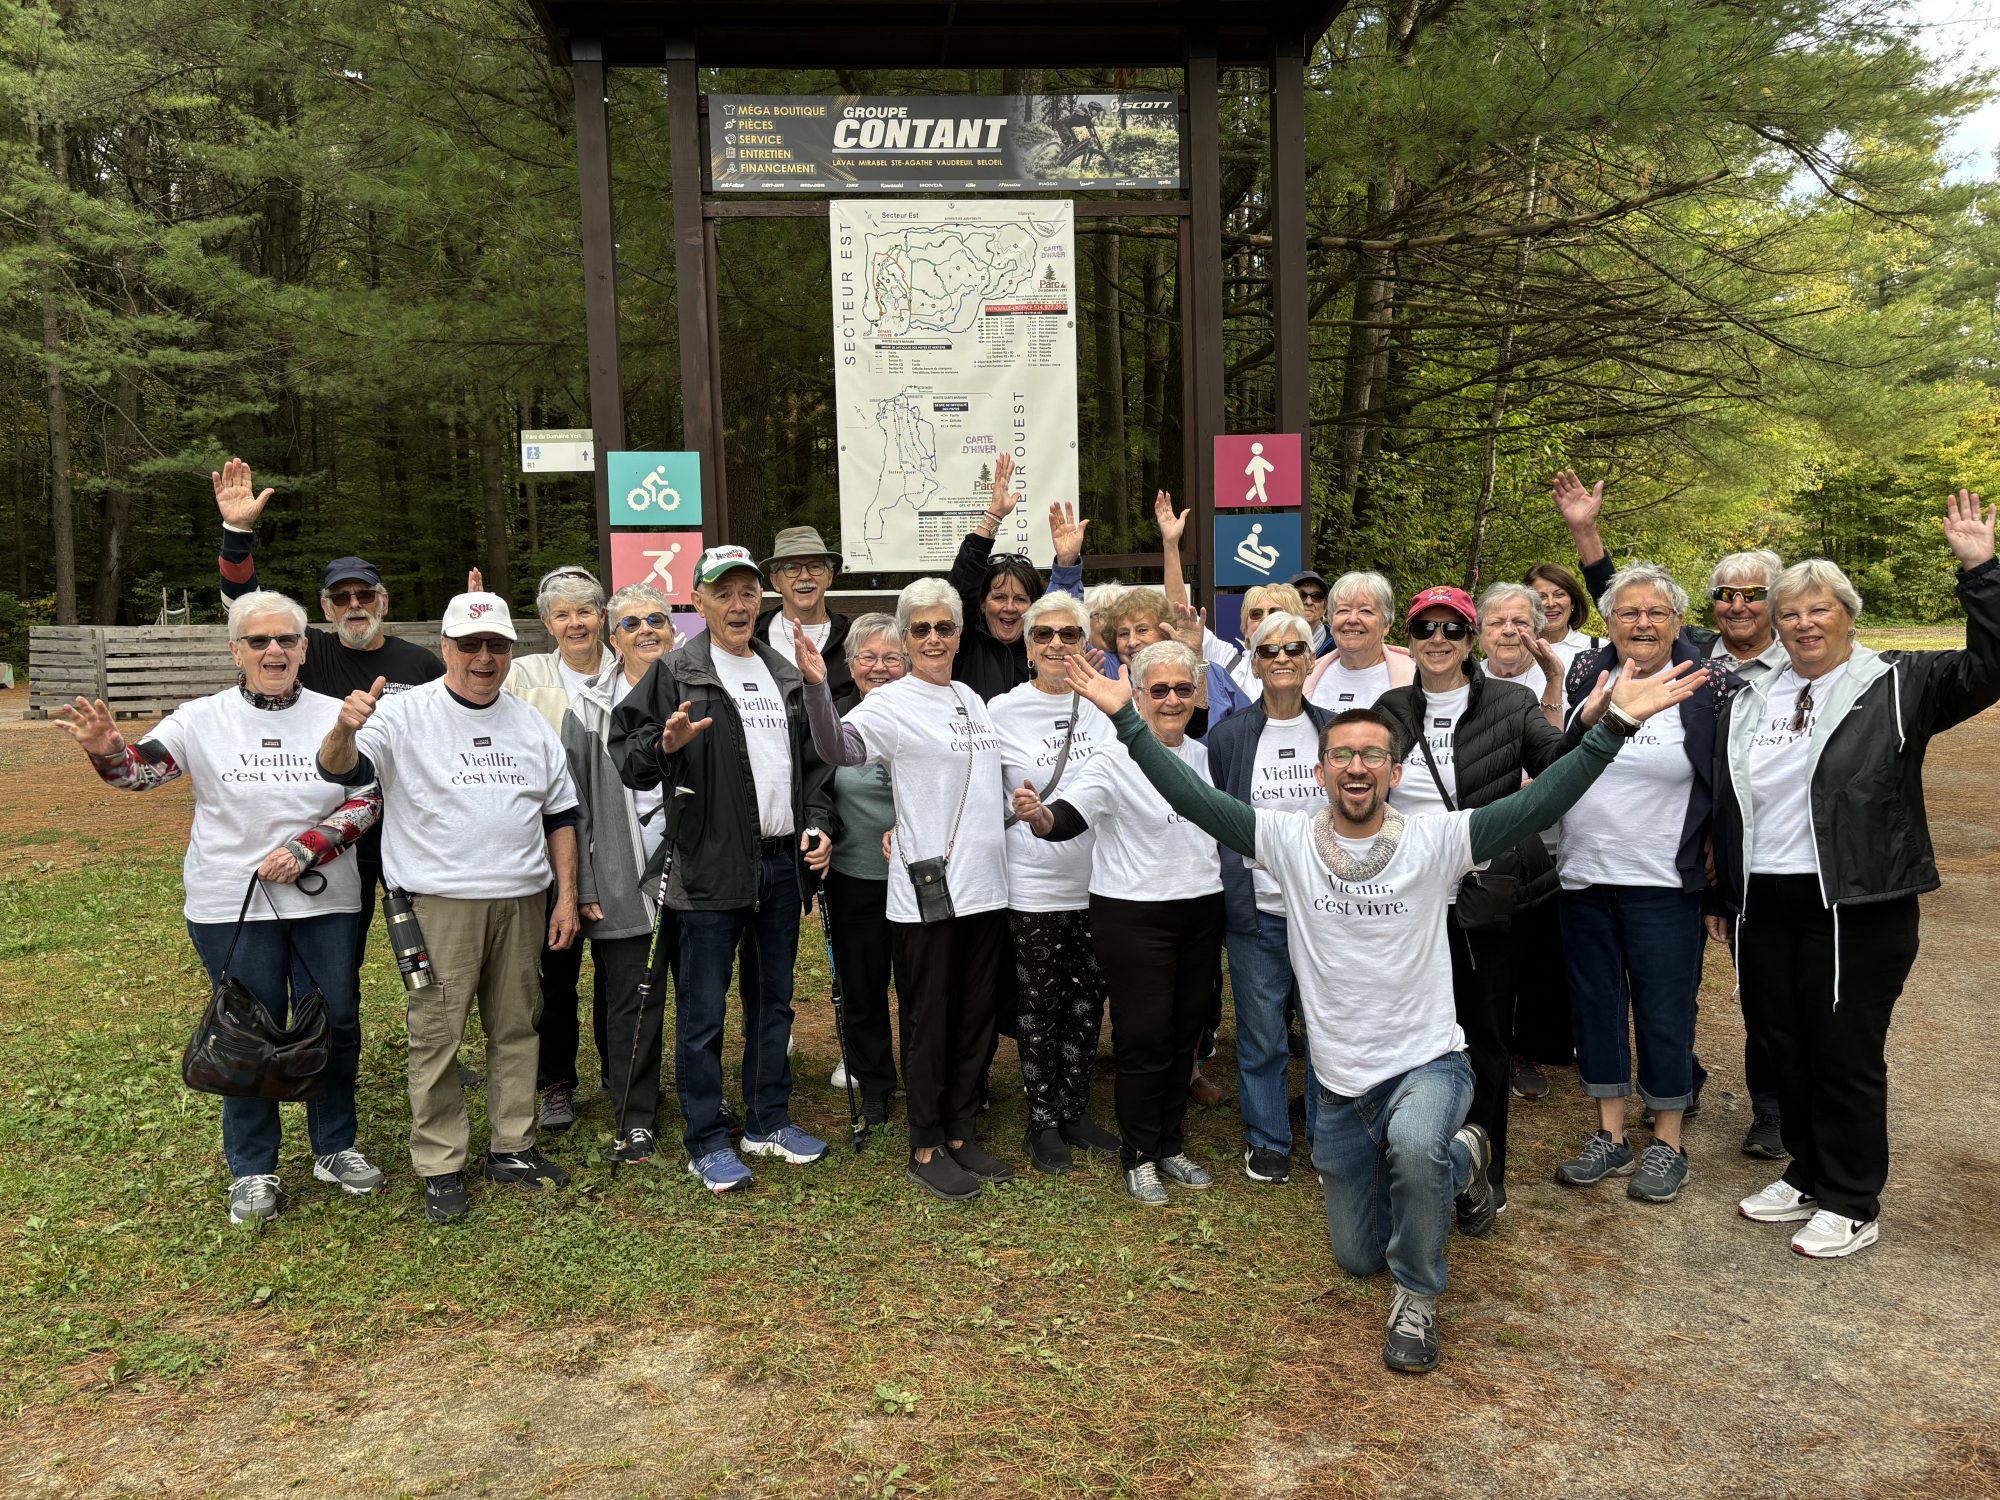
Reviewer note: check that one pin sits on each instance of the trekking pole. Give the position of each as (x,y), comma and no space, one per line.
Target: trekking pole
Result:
(676,804)
(857,1128)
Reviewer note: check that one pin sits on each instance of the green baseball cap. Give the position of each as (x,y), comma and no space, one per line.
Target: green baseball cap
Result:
(717,561)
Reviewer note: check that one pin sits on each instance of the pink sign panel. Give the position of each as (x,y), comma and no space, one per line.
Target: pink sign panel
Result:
(1259,468)
(664,559)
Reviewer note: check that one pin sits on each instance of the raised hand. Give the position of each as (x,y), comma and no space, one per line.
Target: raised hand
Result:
(1580,507)
(1546,658)
(679,730)
(280,867)
(1172,527)
(1003,499)
(1968,530)
(1595,701)
(1189,626)
(1067,531)
(1642,697)
(1028,808)
(812,665)
(1085,680)
(475,581)
(360,706)
(91,726)
(236,497)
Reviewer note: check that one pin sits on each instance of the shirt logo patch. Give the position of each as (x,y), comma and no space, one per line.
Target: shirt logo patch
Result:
(1287,753)
(1347,697)
(273,744)
(1062,723)
(482,742)
(749,687)
(1440,723)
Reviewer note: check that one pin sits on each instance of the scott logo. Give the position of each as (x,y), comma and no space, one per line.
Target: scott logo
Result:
(478,611)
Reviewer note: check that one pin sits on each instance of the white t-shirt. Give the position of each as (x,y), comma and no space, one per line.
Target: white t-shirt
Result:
(1341,687)
(1235,660)
(1781,831)
(1626,830)
(779,634)
(766,734)
(648,801)
(1145,850)
(464,790)
(573,681)
(1531,679)
(1371,959)
(1281,780)
(931,738)
(1416,792)
(255,786)
(1045,876)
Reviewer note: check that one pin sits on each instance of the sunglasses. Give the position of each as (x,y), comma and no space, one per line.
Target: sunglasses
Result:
(291,640)
(1372,756)
(1272,650)
(1309,598)
(923,630)
(1740,593)
(1159,692)
(1452,630)
(496,645)
(1069,635)
(362,597)
(653,621)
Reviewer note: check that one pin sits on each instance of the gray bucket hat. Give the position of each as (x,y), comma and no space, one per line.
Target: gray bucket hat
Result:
(799,542)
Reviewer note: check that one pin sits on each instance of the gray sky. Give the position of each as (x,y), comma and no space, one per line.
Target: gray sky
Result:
(1965,34)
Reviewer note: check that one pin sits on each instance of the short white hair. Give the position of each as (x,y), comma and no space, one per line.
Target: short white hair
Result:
(1642,575)
(1505,593)
(1276,622)
(638,593)
(1374,585)
(1101,596)
(863,629)
(1738,566)
(246,607)
(928,593)
(570,585)
(1162,654)
(1057,602)
(1816,573)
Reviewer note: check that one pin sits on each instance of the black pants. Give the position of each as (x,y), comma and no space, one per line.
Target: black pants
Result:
(1541,987)
(561,968)
(1158,958)
(368,864)
(1820,985)
(951,967)
(1061,1012)
(866,955)
(1482,986)
(621,968)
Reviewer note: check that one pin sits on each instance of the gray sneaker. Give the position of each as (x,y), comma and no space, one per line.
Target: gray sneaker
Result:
(1412,1345)
(1143,1182)
(256,1197)
(1178,1168)
(558,1111)
(1662,1170)
(350,1170)
(1601,1157)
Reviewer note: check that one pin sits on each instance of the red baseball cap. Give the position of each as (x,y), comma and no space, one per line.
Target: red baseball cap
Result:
(1444,597)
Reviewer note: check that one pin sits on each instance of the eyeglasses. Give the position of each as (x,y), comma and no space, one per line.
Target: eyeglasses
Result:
(868,661)
(1311,598)
(653,621)
(1655,616)
(815,567)
(1272,650)
(344,597)
(1069,635)
(1451,630)
(290,641)
(498,645)
(1740,593)
(1372,756)
(1159,692)
(923,630)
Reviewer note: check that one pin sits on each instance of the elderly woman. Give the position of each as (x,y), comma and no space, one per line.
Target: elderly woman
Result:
(947,878)
(1471,738)
(260,812)
(995,590)
(1633,870)
(1363,665)
(1156,918)
(1044,726)
(856,894)
(1565,607)
(1265,757)
(1512,648)
(619,835)
(1821,851)
(1142,616)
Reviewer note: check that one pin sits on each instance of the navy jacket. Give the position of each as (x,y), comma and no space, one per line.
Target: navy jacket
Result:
(1232,760)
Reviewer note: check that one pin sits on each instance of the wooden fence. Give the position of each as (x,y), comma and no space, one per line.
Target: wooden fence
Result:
(148,670)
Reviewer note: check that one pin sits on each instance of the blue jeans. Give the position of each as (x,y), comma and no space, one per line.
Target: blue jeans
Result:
(708,941)
(1634,950)
(271,961)
(1389,1170)
(1260,977)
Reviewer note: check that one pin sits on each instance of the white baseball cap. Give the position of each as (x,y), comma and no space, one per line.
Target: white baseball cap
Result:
(478,614)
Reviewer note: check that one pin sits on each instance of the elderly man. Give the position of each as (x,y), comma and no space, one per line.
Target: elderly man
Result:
(482,817)
(1312,587)
(725,717)
(802,568)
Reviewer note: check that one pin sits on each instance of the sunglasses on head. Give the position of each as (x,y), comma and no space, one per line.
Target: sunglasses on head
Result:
(1159,692)
(922,630)
(653,621)
(1272,650)
(1069,635)
(291,640)
(344,597)
(1740,593)
(1452,630)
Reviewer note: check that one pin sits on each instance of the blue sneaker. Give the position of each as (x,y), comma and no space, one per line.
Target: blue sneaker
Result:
(721,1171)
(788,1141)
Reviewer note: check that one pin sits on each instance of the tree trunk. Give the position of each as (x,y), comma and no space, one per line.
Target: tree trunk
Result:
(1116,509)
(62,532)
(493,482)
(1489,458)
(123,442)
(529,495)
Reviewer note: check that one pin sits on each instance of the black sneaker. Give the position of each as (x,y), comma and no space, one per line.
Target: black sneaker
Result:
(634,1147)
(943,1177)
(1412,1345)
(444,1197)
(1479,1204)
(1048,1152)
(1260,1165)
(1090,1135)
(981,1163)
(529,1169)
(875,1113)
(467,1079)
(1763,1139)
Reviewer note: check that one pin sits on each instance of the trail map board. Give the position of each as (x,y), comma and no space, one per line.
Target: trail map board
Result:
(955,338)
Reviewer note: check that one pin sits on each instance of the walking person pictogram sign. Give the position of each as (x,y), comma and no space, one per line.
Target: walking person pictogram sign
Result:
(1262,469)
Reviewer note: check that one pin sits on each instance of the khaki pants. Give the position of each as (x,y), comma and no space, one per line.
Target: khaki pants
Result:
(490,950)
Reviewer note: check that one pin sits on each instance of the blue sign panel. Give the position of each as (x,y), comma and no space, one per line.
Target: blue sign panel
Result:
(1257,547)
(654,489)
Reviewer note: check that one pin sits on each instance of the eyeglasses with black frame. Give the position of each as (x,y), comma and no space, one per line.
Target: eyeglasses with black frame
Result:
(498,645)
(345,597)
(1372,756)
(1451,630)
(291,640)
(1272,650)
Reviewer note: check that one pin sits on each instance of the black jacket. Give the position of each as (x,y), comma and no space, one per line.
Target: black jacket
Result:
(839,676)
(1232,761)
(1870,834)
(986,664)
(716,867)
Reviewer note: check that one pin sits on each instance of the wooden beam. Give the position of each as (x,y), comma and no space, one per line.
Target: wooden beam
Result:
(1201,291)
(1291,331)
(729,207)
(700,416)
(600,280)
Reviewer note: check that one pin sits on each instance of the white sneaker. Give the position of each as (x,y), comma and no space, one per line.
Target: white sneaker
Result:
(1830,1236)
(839,1079)
(789,1045)
(1780,1203)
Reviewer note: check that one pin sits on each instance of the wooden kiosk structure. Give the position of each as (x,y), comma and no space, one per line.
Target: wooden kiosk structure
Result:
(1197,36)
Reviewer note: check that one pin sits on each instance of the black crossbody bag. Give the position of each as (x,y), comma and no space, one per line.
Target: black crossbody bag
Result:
(1490,897)
(238,1051)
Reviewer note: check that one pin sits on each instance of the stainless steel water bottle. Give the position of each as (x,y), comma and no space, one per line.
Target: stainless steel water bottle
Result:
(406,941)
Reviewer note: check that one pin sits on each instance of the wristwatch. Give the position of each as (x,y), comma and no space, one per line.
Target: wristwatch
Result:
(1621,723)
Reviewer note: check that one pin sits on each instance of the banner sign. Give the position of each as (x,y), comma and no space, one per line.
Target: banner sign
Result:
(763,143)
(954,339)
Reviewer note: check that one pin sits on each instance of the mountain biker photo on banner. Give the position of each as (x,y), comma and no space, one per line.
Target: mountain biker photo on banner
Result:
(1081,136)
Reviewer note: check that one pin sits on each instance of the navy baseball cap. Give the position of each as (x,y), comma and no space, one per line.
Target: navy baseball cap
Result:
(358,569)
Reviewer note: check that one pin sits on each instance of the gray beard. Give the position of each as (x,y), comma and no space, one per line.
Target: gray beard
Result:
(367,638)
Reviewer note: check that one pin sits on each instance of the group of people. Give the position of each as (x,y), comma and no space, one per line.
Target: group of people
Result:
(1016,805)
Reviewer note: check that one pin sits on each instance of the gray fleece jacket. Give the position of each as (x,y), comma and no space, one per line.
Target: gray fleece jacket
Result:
(607,831)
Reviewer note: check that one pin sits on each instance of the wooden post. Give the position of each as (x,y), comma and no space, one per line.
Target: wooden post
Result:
(700,419)
(1291,333)
(600,278)
(1201,296)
